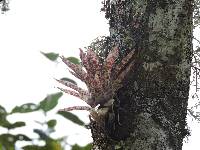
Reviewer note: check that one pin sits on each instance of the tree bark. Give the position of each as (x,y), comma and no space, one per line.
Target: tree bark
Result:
(149,111)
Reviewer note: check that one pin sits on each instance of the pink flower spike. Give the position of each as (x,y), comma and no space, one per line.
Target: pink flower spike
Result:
(76,108)
(82,78)
(92,63)
(82,54)
(96,84)
(76,68)
(83,58)
(108,65)
(122,75)
(110,60)
(123,63)
(73,86)
(73,93)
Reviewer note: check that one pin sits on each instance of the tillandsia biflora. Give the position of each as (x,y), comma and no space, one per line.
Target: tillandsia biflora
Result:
(102,79)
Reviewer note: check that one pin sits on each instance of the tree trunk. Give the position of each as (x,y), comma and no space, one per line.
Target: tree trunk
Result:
(149,112)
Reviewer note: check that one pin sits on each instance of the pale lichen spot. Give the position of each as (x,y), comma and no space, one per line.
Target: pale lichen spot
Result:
(151,66)
(183,68)
(166,51)
(136,86)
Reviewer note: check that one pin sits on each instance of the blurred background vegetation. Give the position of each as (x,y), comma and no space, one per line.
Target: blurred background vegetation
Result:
(8,140)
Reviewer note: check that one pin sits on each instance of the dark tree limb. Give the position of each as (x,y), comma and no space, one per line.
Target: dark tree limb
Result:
(152,108)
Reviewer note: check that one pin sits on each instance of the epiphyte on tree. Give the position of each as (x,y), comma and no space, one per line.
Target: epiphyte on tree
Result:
(102,79)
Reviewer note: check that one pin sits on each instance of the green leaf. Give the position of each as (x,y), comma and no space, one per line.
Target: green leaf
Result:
(51,56)
(52,144)
(3,114)
(71,117)
(41,133)
(8,140)
(22,137)
(2,110)
(51,123)
(4,122)
(25,108)
(33,147)
(77,147)
(69,80)
(17,124)
(74,60)
(50,101)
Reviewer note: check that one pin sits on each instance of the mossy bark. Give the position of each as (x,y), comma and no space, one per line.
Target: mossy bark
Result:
(150,110)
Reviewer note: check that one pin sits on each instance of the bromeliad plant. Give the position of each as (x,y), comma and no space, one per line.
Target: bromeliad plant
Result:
(102,79)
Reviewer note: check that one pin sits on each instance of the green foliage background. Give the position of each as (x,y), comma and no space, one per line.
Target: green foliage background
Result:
(8,140)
